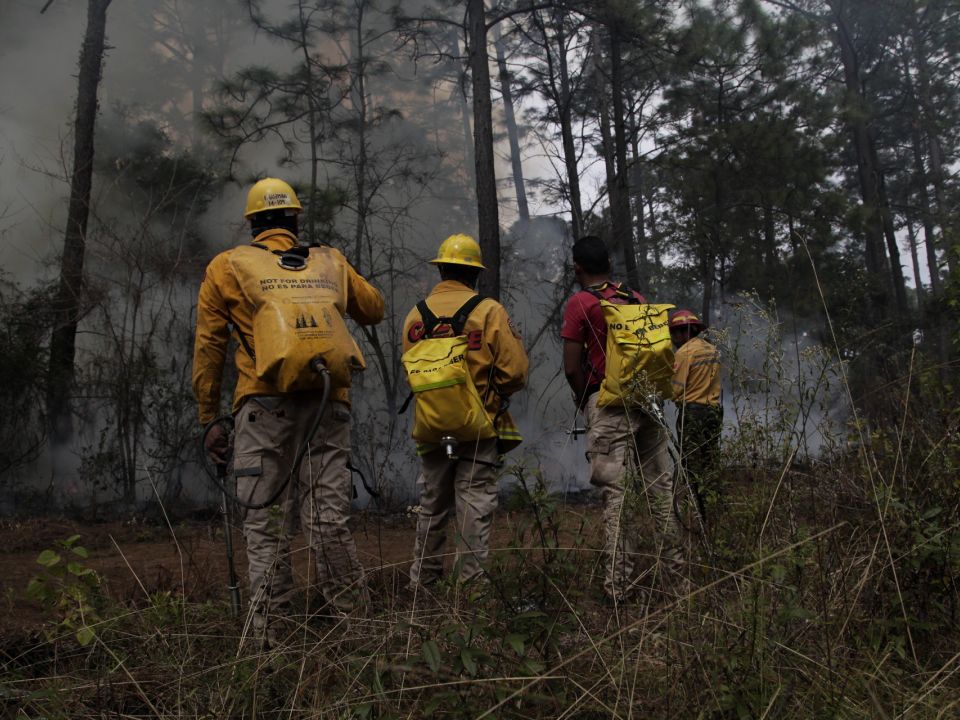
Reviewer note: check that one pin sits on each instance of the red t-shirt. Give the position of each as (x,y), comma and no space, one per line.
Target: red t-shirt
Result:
(583,323)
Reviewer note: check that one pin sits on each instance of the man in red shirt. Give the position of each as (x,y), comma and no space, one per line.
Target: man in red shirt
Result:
(626,447)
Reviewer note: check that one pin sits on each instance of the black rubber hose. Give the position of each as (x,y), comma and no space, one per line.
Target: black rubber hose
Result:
(294,471)
(372,492)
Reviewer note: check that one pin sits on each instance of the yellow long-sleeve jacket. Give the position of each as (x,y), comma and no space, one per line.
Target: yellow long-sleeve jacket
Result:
(221,302)
(496,358)
(696,373)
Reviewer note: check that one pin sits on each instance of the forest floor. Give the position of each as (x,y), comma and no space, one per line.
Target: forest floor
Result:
(136,558)
(791,611)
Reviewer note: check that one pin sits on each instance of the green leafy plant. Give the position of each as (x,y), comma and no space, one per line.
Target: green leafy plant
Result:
(69,588)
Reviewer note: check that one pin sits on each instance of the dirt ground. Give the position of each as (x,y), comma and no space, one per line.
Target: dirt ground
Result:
(135,558)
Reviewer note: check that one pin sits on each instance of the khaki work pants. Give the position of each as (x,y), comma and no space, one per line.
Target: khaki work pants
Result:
(699,428)
(629,462)
(269,432)
(471,490)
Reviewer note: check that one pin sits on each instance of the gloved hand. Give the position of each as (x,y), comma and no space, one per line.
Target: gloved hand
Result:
(217,444)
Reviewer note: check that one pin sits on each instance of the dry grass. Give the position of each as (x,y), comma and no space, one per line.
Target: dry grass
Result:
(824,589)
(797,611)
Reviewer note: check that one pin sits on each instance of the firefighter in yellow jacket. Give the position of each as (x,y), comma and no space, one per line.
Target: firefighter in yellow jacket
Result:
(696,391)
(271,426)
(461,475)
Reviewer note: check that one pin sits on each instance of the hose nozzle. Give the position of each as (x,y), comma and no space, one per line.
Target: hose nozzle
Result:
(449,445)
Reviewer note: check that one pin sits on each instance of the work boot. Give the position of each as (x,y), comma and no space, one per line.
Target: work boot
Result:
(633,596)
(266,634)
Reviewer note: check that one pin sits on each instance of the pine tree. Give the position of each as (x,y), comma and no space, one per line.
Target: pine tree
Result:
(69,301)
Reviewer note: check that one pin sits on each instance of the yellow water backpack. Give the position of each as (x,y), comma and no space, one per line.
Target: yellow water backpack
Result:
(299,298)
(639,353)
(447,401)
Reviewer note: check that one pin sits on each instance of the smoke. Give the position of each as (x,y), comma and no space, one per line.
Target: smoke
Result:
(148,245)
(38,89)
(782,390)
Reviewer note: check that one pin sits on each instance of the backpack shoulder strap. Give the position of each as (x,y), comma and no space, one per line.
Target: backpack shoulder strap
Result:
(628,296)
(457,321)
(460,317)
(427,316)
(595,290)
(233,327)
(244,342)
(621,291)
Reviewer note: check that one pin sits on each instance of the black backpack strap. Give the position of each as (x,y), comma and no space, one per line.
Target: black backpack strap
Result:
(622,291)
(460,317)
(629,295)
(457,322)
(428,318)
(233,327)
(245,343)
(595,292)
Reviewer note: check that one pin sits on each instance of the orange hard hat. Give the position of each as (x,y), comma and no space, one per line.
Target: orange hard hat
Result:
(682,318)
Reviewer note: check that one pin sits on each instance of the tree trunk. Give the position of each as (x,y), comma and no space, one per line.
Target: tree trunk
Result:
(470,164)
(706,273)
(770,259)
(636,197)
(896,268)
(513,134)
(654,233)
(312,124)
(926,216)
(565,115)
(197,77)
(461,91)
(606,141)
(866,171)
(915,258)
(487,211)
(69,299)
(360,166)
(714,239)
(620,212)
(935,153)
(943,216)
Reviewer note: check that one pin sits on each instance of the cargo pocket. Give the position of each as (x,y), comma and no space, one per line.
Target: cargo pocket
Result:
(248,470)
(605,467)
(597,446)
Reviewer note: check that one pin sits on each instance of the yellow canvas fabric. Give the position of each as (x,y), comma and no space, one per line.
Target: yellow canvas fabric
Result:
(447,401)
(696,377)
(222,303)
(497,364)
(639,354)
(297,316)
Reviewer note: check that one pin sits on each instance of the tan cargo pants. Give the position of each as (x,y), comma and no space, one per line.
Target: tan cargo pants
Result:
(629,462)
(269,432)
(469,488)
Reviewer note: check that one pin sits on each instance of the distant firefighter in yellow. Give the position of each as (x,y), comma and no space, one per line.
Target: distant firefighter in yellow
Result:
(696,391)
(464,360)
(286,304)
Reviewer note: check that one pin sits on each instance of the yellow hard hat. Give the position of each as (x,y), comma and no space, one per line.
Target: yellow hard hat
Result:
(459,250)
(271,194)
